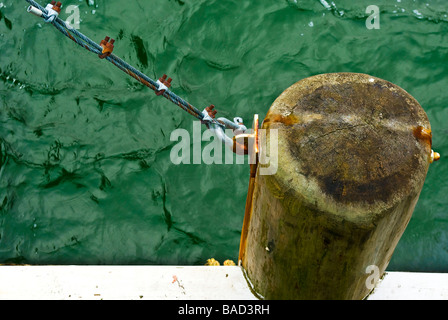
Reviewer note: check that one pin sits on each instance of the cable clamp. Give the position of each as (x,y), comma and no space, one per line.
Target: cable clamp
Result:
(212,113)
(209,115)
(163,84)
(53,10)
(108,47)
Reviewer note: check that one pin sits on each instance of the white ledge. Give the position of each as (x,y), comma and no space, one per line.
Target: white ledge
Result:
(123,283)
(177,283)
(411,286)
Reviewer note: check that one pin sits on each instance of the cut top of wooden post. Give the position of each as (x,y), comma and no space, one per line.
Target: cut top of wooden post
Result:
(350,144)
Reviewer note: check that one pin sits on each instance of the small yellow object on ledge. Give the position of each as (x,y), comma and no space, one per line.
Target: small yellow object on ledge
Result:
(229,263)
(212,262)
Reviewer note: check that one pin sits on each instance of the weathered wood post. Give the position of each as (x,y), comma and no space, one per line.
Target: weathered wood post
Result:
(353,153)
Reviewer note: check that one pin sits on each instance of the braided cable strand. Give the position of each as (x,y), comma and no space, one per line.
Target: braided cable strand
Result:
(93,47)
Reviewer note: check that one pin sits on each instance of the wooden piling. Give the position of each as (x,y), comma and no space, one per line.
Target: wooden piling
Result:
(353,153)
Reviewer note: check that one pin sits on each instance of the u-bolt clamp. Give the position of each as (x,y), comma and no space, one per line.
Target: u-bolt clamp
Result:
(163,85)
(108,47)
(53,10)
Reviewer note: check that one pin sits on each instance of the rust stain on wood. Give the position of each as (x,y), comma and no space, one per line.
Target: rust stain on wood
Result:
(423,134)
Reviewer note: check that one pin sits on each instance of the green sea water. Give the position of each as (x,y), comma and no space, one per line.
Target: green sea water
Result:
(85,169)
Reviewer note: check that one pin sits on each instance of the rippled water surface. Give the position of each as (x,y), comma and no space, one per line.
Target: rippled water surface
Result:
(85,170)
